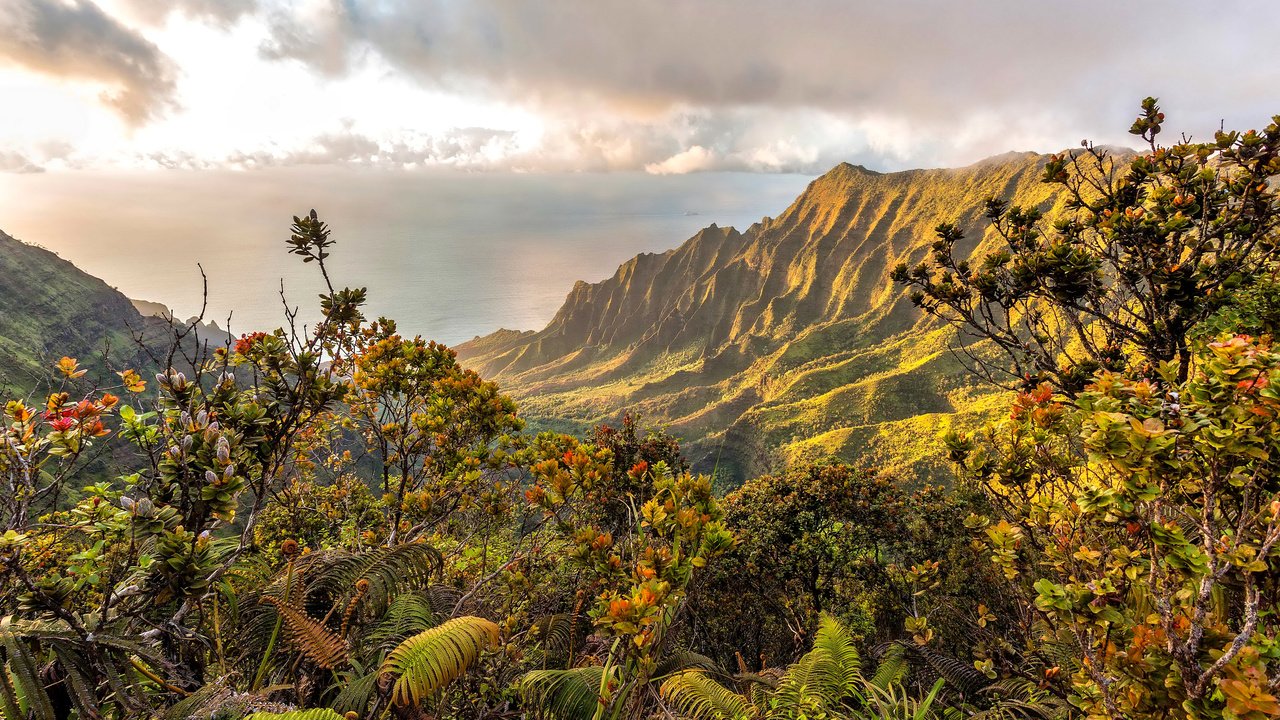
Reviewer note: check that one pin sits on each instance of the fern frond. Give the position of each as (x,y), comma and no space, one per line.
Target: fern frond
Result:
(22,686)
(434,658)
(698,697)
(443,599)
(800,681)
(316,642)
(314,714)
(835,645)
(357,691)
(682,660)
(331,577)
(1059,649)
(556,634)
(26,688)
(960,675)
(760,686)
(79,675)
(892,667)
(572,694)
(1019,698)
(408,614)
(827,674)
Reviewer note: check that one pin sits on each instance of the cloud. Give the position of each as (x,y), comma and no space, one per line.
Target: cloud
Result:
(14,162)
(692,160)
(75,39)
(664,86)
(462,148)
(933,61)
(223,13)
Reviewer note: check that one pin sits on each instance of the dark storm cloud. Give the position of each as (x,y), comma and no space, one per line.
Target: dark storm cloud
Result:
(76,39)
(929,61)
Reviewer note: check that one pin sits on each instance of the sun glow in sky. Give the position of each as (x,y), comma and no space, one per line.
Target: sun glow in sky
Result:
(662,87)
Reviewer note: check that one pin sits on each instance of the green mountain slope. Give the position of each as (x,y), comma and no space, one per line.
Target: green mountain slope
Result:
(784,342)
(50,308)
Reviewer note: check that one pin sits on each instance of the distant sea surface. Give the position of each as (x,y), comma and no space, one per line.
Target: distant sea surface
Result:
(447,255)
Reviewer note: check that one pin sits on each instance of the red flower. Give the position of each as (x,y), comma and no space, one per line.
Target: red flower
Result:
(245,343)
(62,424)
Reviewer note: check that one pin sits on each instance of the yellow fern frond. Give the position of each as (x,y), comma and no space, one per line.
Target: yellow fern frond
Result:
(316,714)
(434,658)
(694,695)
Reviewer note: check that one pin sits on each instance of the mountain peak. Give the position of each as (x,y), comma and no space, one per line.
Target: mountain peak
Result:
(850,168)
(834,188)
(844,173)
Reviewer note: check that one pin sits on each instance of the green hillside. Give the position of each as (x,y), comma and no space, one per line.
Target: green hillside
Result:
(787,341)
(50,308)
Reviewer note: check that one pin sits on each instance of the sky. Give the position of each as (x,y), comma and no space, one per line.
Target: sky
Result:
(659,87)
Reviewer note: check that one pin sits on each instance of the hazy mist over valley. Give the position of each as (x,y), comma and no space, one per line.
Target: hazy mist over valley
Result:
(449,255)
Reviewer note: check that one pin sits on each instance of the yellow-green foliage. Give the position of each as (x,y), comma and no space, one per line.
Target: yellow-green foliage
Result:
(316,714)
(433,658)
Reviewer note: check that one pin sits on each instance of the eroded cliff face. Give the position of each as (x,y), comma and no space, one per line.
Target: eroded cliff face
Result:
(784,342)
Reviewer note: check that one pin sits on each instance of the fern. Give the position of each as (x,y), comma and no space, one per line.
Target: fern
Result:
(837,655)
(408,614)
(892,667)
(572,694)
(315,714)
(556,633)
(434,658)
(331,577)
(357,690)
(684,660)
(698,697)
(319,644)
(24,689)
(1018,698)
(84,668)
(827,674)
(960,675)
(800,682)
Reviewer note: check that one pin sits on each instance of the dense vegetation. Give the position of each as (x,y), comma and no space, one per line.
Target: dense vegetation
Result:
(339,521)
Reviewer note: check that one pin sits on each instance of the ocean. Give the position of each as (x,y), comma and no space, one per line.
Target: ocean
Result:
(448,255)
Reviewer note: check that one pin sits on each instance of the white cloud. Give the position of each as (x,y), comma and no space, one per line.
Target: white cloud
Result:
(77,39)
(665,86)
(694,159)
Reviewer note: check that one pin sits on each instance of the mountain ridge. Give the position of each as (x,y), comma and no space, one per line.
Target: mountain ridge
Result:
(786,336)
